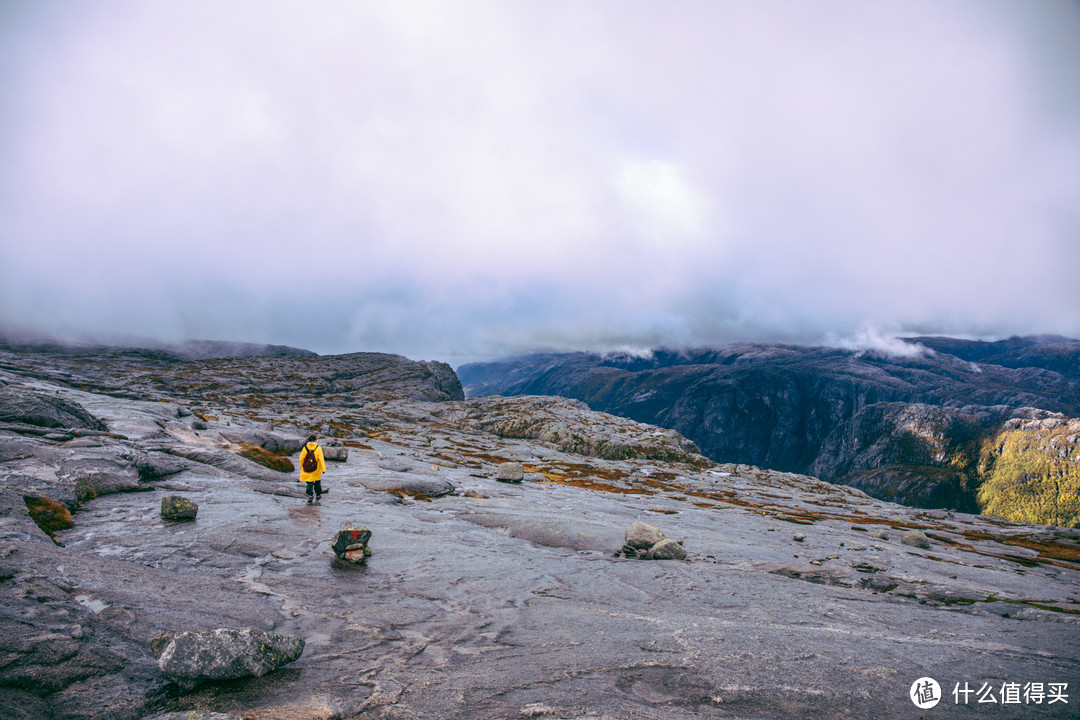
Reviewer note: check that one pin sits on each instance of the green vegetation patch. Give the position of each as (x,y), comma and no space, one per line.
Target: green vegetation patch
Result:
(1032,476)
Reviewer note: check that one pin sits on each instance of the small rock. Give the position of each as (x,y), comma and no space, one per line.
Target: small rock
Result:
(881,535)
(178,507)
(350,543)
(865,567)
(642,536)
(198,425)
(510,472)
(666,550)
(798,537)
(916,538)
(474,494)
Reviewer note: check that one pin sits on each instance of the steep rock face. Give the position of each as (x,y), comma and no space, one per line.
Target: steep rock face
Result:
(837,414)
(1031,471)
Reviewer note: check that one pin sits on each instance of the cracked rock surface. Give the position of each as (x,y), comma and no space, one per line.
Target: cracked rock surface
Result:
(507,605)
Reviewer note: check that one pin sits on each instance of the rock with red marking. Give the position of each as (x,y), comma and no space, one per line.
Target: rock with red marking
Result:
(350,543)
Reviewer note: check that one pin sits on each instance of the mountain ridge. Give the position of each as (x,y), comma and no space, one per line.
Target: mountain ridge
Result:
(823,411)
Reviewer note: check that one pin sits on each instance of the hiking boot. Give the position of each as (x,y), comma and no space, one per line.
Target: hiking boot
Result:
(309,501)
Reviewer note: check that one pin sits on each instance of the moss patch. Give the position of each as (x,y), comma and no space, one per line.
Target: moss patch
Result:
(265,458)
(49,515)
(1032,476)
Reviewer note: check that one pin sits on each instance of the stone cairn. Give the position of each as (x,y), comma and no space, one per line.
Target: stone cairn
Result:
(350,544)
(649,543)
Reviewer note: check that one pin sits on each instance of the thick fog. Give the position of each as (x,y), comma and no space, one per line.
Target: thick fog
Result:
(469,179)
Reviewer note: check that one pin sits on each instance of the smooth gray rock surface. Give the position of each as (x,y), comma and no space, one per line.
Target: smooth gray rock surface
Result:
(20,404)
(503,606)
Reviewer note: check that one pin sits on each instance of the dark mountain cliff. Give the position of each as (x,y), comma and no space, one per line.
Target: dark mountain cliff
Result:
(910,429)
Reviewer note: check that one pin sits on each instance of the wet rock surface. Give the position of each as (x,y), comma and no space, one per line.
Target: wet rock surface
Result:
(507,605)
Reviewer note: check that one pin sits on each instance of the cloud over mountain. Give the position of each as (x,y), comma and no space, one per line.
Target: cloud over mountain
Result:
(478,178)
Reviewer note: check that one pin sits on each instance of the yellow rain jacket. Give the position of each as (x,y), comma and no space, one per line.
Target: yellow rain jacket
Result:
(317,475)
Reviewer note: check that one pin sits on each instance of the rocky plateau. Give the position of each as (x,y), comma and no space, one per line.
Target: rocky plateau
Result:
(483,598)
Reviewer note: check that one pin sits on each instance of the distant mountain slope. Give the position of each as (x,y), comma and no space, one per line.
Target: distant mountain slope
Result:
(908,429)
(187,350)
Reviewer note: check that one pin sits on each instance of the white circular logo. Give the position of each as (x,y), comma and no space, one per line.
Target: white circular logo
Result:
(925,693)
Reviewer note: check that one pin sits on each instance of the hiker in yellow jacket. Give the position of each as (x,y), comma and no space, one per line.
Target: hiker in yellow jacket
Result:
(312,466)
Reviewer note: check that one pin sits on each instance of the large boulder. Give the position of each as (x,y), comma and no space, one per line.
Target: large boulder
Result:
(20,404)
(642,536)
(510,472)
(336,453)
(188,658)
(666,550)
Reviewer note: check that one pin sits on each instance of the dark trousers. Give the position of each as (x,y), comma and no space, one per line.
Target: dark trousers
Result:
(314,486)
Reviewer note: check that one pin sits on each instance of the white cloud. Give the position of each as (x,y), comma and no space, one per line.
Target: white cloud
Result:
(870,339)
(661,198)
(505,176)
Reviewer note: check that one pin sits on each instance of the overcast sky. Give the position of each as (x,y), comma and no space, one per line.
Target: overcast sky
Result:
(468,179)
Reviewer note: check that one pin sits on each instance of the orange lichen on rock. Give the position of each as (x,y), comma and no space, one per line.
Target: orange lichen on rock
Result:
(49,515)
(264,457)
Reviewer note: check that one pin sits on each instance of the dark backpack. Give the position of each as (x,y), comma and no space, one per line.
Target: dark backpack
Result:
(310,463)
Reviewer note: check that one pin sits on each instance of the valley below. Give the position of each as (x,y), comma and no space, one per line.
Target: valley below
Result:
(490,599)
